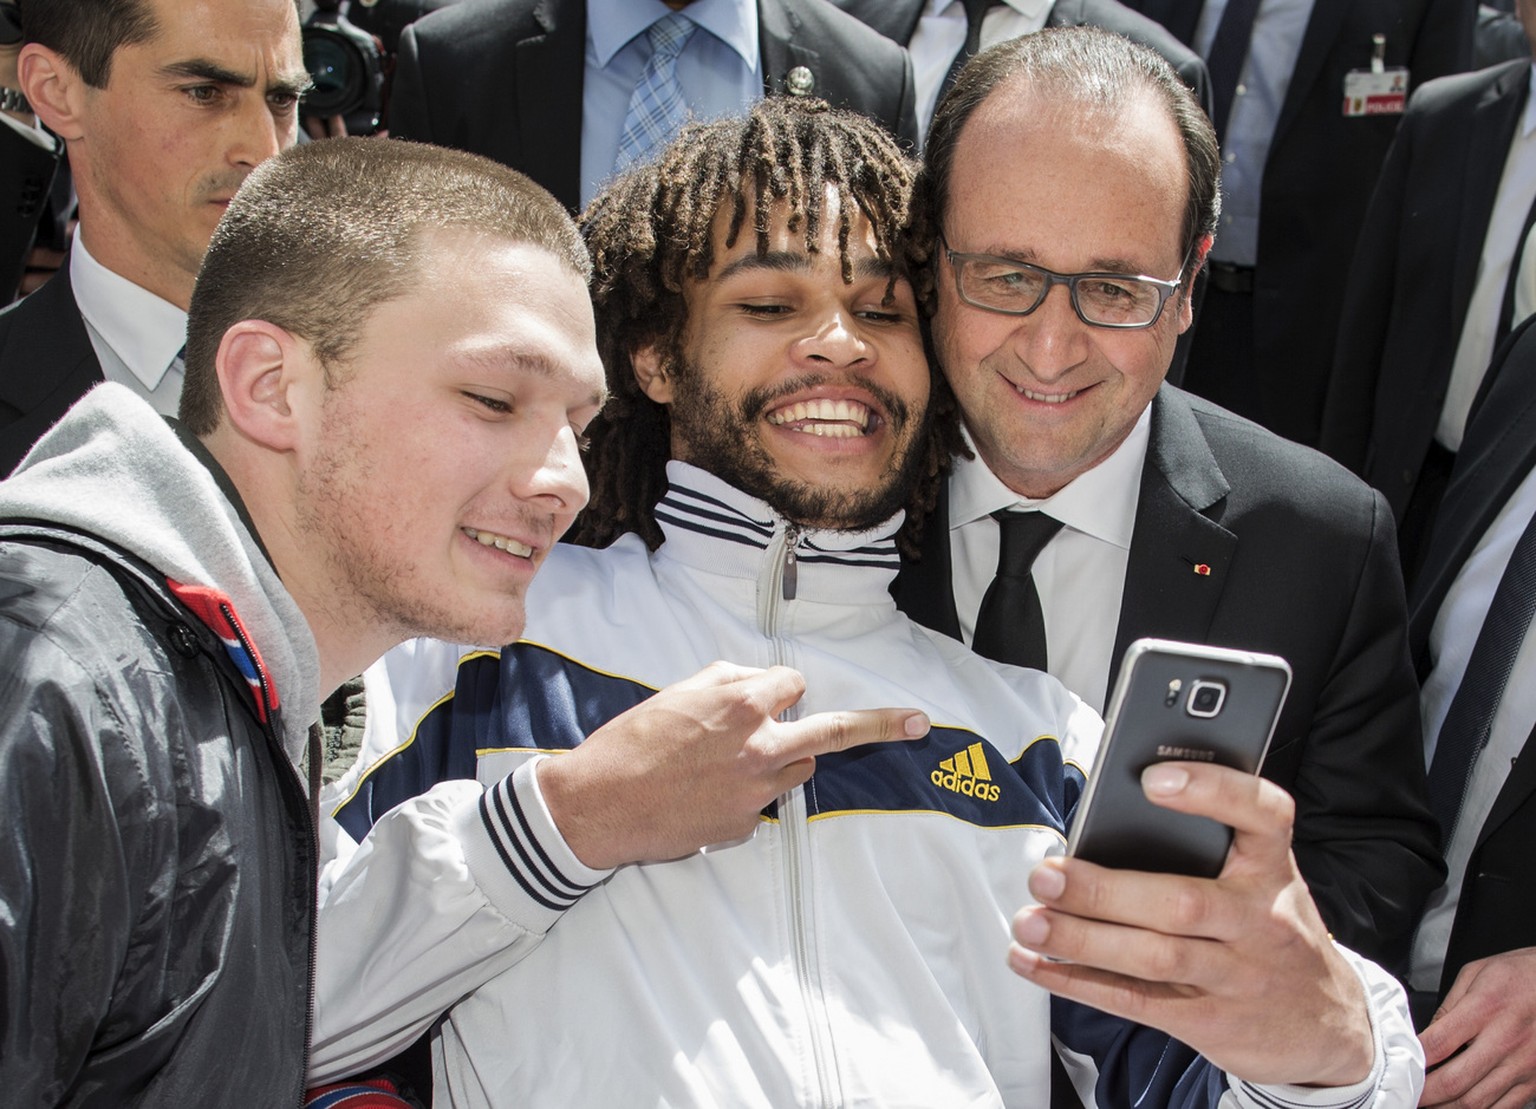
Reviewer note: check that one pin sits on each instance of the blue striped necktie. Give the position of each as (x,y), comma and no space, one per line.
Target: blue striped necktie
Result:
(656,107)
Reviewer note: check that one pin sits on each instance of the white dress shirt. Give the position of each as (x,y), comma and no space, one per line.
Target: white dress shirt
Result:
(1261,87)
(719,71)
(137,336)
(940,35)
(1080,574)
(1474,350)
(1525,283)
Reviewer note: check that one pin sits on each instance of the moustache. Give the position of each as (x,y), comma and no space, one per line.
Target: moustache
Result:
(893,409)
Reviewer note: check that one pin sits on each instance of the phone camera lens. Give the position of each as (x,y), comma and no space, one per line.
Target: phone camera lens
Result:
(1206,698)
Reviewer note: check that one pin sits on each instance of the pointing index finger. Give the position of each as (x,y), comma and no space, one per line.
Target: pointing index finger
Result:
(825,732)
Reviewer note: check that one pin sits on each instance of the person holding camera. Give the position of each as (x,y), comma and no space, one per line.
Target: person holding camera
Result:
(164,108)
(1152,512)
(771,411)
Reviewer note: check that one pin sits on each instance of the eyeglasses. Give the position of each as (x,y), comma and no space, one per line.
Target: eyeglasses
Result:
(1017,288)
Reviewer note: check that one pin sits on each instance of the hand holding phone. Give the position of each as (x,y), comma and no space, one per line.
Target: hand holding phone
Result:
(1174,701)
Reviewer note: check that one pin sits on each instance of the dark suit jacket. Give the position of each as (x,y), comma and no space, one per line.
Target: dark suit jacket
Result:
(897,20)
(1497,910)
(503,78)
(46,364)
(1318,181)
(1414,269)
(1497,37)
(1303,563)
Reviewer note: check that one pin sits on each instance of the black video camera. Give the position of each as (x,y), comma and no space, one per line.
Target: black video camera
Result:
(346,65)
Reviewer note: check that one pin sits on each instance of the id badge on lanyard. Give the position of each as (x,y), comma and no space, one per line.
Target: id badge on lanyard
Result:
(1378,91)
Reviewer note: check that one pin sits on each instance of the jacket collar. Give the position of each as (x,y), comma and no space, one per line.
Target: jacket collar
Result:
(1179,549)
(1495,121)
(550,48)
(47,329)
(1180,552)
(714,528)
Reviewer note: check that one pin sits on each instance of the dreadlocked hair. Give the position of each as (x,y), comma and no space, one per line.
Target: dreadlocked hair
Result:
(650,231)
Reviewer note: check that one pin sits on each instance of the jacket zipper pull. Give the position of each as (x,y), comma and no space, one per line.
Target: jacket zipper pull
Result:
(791,567)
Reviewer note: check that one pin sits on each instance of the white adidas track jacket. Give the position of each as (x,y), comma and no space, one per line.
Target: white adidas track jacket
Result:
(850,952)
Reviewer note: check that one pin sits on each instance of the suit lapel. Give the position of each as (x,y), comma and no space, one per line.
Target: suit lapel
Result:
(1181,17)
(925,590)
(1493,122)
(51,333)
(783,48)
(1518,789)
(895,19)
(1316,42)
(1179,554)
(1066,13)
(550,62)
(1480,484)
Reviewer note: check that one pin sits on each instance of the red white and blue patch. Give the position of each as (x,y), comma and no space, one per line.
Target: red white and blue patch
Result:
(372,1093)
(217,612)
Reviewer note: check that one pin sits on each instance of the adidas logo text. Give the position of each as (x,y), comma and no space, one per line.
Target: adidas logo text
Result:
(967,773)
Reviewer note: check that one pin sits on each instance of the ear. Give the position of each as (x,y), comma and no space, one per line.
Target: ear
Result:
(651,373)
(53,88)
(1187,298)
(263,372)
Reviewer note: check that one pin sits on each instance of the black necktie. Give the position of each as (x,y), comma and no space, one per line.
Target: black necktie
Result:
(975,12)
(1010,626)
(1229,50)
(1470,717)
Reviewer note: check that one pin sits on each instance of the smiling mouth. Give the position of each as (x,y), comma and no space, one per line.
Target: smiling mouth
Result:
(500,542)
(837,419)
(1045,398)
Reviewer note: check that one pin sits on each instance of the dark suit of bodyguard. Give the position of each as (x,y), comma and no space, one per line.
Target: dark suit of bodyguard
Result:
(1413,274)
(897,20)
(46,364)
(1496,911)
(1316,183)
(503,78)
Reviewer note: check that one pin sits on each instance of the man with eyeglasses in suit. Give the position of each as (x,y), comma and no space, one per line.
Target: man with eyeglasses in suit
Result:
(1074,158)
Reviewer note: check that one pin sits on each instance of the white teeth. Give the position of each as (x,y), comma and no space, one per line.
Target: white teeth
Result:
(500,542)
(853,417)
(1046,398)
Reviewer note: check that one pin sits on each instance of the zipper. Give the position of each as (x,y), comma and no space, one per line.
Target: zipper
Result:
(271,725)
(780,587)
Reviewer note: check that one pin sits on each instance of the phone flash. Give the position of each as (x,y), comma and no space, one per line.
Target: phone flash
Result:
(1173,693)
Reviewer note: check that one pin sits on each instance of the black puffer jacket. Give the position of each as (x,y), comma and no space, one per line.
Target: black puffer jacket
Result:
(157,873)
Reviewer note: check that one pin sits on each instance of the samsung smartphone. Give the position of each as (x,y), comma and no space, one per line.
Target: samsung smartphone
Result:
(1175,701)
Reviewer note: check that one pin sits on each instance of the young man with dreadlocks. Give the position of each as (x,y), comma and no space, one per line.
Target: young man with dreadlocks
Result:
(772,411)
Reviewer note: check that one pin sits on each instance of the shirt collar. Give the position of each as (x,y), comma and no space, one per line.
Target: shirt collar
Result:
(33,132)
(1030,9)
(1528,121)
(611,24)
(146,332)
(1101,502)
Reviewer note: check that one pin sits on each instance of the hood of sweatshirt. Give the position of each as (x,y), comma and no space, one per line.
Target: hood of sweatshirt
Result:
(115,469)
